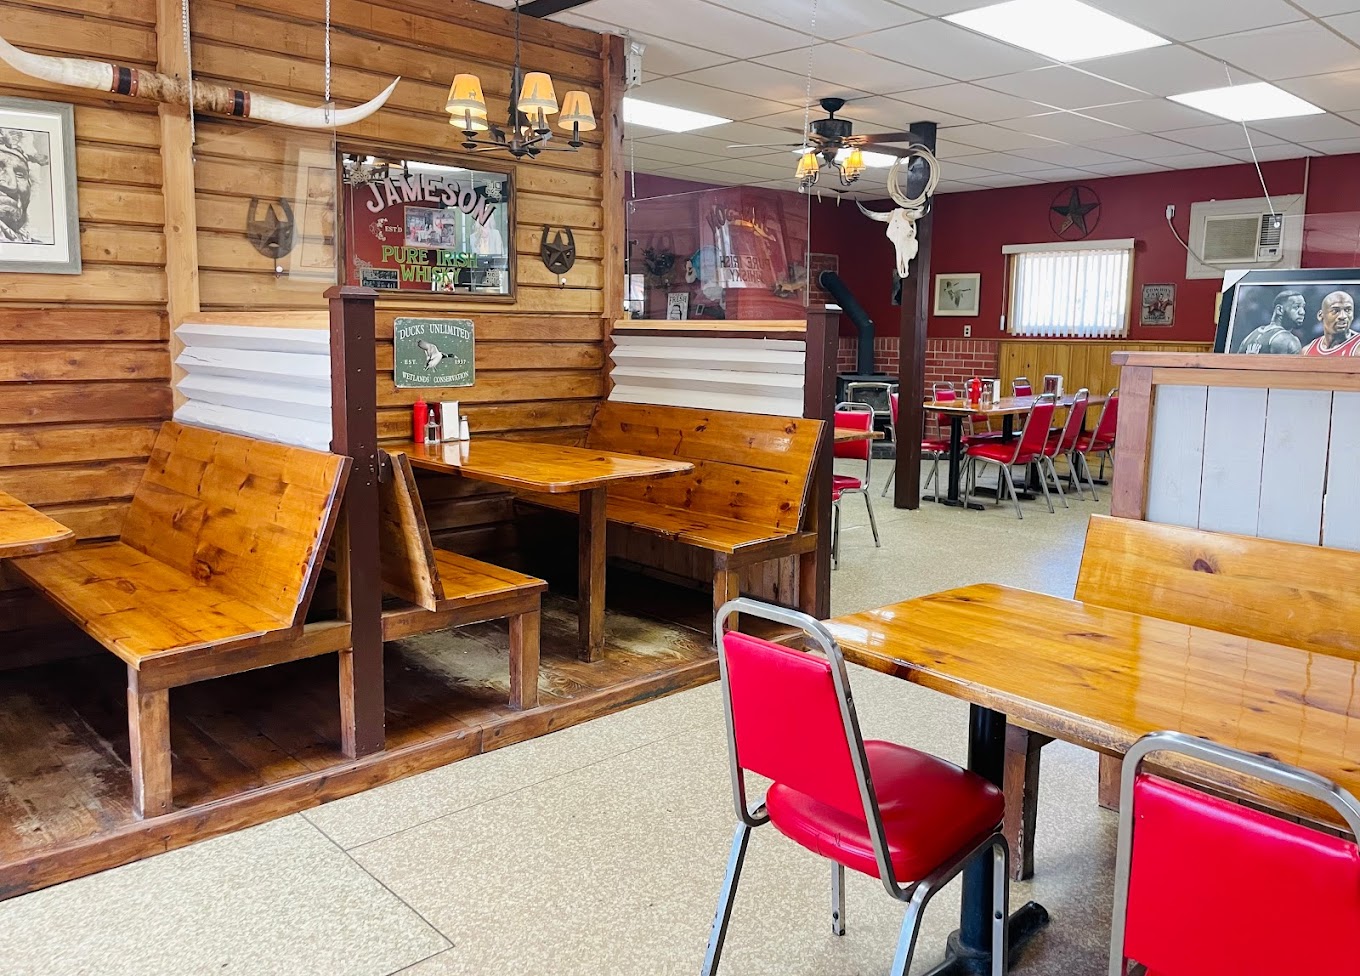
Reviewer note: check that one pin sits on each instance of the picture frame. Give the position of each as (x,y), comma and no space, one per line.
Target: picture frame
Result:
(677,305)
(316,206)
(958,294)
(1158,305)
(427,225)
(1289,312)
(40,226)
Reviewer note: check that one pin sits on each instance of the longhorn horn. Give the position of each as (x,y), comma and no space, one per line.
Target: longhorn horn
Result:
(154,86)
(873,214)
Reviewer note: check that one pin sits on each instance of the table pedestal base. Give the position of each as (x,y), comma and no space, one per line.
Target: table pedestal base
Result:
(1025,923)
(952,502)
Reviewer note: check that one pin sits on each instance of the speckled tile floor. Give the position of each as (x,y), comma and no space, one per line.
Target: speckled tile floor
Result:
(597,850)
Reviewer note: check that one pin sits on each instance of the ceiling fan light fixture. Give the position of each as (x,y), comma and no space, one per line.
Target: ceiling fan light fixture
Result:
(807,169)
(853,164)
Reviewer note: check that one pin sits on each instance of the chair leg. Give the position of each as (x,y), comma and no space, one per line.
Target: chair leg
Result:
(1043,483)
(836,534)
(1057,482)
(1001,909)
(868,503)
(888,484)
(837,898)
(149,740)
(911,928)
(726,896)
(524,660)
(1010,485)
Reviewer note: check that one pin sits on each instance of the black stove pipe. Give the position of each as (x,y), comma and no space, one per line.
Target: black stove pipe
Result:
(864,325)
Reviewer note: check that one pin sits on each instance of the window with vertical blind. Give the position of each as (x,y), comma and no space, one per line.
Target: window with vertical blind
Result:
(1079,290)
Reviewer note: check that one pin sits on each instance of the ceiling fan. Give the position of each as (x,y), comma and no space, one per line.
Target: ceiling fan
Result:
(832,140)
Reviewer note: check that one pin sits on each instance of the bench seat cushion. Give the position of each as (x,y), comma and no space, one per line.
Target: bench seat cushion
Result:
(469,581)
(712,532)
(140,608)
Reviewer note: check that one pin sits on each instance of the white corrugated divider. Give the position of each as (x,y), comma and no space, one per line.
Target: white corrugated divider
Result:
(271,383)
(746,375)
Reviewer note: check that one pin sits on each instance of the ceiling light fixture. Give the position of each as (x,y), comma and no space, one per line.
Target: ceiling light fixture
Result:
(653,115)
(1248,103)
(1064,30)
(532,100)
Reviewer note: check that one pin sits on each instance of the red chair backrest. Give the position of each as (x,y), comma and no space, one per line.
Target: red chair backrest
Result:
(1217,889)
(853,420)
(1034,438)
(787,722)
(1075,418)
(1109,419)
(892,407)
(1021,387)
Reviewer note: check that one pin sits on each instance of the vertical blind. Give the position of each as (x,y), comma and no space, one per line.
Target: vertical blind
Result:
(1071,292)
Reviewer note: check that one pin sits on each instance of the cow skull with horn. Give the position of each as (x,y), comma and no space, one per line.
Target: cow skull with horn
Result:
(902,220)
(154,86)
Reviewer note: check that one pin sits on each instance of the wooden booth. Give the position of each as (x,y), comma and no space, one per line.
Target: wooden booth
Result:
(211,505)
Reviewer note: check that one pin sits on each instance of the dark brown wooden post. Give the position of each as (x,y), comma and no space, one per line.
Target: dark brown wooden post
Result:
(911,359)
(819,403)
(354,432)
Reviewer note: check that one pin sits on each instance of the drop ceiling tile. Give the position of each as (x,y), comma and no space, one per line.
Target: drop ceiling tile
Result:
(946,149)
(835,18)
(718,29)
(1062,87)
(1287,51)
(947,50)
(1152,115)
(1336,92)
(1283,150)
(664,154)
(836,64)
(958,186)
(1008,162)
(1062,175)
(1348,24)
(701,175)
(1219,138)
(662,56)
(1336,147)
(975,102)
(1005,179)
(1079,156)
(1065,127)
(749,133)
(1127,167)
(1195,160)
(993,137)
(1188,20)
(1168,70)
(733,105)
(899,112)
(1325,8)
(1311,128)
(1139,147)
(962,171)
(693,141)
(756,168)
(941,8)
(749,78)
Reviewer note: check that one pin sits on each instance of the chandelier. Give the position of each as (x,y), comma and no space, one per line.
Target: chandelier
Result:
(532,100)
(848,164)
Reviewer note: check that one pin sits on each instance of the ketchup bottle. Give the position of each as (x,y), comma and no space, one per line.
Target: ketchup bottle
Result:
(420,416)
(974,390)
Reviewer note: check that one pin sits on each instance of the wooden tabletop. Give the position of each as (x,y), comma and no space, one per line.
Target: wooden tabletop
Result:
(1006,405)
(533,466)
(845,435)
(25,531)
(1104,678)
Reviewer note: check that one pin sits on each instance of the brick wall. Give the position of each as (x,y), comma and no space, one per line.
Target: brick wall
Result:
(947,360)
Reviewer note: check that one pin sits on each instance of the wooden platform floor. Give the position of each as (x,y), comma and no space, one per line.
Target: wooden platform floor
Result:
(264,744)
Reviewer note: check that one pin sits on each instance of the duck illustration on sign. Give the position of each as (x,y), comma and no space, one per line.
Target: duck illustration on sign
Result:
(432,353)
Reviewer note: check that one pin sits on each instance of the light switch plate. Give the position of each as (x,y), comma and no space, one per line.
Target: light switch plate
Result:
(968,332)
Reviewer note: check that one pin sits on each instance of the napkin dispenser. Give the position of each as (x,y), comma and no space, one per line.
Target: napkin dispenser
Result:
(1053,383)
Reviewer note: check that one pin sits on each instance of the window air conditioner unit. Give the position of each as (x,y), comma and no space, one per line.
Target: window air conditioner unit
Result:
(1243,234)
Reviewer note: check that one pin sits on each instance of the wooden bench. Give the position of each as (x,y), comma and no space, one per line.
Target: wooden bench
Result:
(213,574)
(442,589)
(1282,592)
(744,500)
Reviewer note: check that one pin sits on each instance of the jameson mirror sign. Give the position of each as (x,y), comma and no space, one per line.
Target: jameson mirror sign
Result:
(432,352)
(426,228)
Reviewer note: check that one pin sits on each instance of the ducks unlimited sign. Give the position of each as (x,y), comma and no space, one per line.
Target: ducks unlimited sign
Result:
(432,353)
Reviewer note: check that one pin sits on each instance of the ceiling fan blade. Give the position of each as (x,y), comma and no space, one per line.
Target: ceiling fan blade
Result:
(764,145)
(877,138)
(897,151)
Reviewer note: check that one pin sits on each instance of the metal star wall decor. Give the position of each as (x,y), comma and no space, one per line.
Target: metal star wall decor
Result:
(558,255)
(1074,213)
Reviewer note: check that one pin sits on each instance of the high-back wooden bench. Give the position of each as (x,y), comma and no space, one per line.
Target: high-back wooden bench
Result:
(442,589)
(743,502)
(1280,592)
(213,575)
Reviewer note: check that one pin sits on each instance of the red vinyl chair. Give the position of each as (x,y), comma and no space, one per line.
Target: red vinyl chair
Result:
(852,416)
(1207,887)
(1028,448)
(1064,440)
(945,393)
(1099,441)
(1021,386)
(905,817)
(933,448)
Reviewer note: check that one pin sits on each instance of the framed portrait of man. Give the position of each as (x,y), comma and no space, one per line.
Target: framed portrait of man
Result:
(39,218)
(1309,312)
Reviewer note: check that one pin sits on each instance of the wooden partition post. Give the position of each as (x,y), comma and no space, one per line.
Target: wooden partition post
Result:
(354,432)
(819,403)
(911,363)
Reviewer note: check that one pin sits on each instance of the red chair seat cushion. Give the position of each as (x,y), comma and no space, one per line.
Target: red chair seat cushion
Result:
(931,809)
(845,482)
(1087,443)
(935,447)
(998,452)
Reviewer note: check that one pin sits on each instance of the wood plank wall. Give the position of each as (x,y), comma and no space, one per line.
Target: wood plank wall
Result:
(540,360)
(84,364)
(1081,362)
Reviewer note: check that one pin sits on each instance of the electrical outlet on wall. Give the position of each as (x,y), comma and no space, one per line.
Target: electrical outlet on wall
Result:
(968,332)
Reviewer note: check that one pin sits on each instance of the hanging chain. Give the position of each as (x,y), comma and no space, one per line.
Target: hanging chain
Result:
(188,68)
(328,60)
(807,102)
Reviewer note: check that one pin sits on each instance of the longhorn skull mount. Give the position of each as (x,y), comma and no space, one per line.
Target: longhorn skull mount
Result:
(206,97)
(902,220)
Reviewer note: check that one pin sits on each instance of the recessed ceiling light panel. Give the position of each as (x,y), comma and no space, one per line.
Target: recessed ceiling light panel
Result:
(665,117)
(1064,30)
(1248,103)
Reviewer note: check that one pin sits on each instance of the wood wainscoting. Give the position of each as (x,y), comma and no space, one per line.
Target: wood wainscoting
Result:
(1080,362)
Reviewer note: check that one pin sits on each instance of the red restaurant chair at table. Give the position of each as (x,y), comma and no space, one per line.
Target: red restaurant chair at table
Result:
(852,416)
(905,817)
(1022,387)
(1027,449)
(1099,441)
(1207,887)
(1062,441)
(935,449)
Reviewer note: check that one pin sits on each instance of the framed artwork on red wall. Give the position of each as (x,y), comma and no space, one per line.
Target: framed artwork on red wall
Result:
(1159,305)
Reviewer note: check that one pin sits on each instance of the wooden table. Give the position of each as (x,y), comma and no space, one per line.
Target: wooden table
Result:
(1007,408)
(1102,679)
(26,532)
(554,469)
(846,436)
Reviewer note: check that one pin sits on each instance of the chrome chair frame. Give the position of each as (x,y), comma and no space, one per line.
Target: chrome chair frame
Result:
(1085,466)
(917,894)
(1080,402)
(1005,466)
(1246,763)
(854,406)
